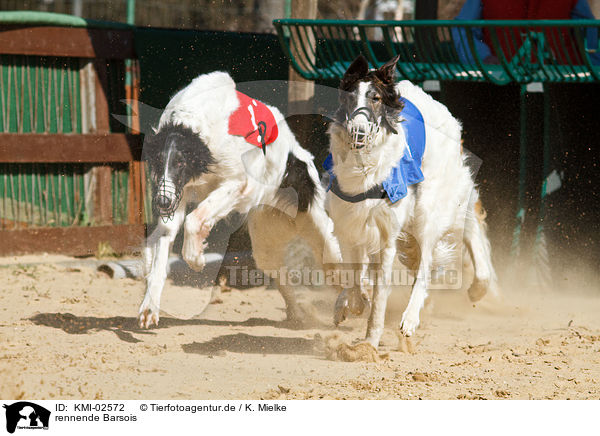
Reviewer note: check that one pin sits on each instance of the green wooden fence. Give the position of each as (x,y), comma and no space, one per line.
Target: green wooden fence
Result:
(70,172)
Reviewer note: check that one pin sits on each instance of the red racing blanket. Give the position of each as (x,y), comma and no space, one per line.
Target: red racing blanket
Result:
(254,121)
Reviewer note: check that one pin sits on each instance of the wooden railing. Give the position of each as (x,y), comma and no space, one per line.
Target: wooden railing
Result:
(94,140)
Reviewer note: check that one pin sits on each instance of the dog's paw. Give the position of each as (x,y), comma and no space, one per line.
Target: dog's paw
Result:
(350,302)
(148,314)
(478,289)
(359,302)
(373,338)
(194,242)
(341,309)
(410,322)
(198,227)
(193,253)
(193,250)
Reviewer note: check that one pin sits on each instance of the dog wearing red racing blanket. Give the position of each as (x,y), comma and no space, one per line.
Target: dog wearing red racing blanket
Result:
(228,152)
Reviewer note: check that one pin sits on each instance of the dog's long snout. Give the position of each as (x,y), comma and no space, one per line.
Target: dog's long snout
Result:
(166,199)
(361,124)
(362,116)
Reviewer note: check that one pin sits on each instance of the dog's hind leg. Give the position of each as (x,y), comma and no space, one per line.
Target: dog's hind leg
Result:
(271,232)
(156,258)
(479,247)
(316,228)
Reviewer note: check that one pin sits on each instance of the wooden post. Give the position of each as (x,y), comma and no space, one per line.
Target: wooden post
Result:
(136,191)
(449,9)
(103,211)
(595,6)
(87,90)
(301,91)
(426,10)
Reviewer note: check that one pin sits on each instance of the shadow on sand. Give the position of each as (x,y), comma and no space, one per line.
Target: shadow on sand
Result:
(123,327)
(249,344)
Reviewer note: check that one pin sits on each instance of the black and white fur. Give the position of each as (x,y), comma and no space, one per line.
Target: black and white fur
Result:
(440,209)
(193,159)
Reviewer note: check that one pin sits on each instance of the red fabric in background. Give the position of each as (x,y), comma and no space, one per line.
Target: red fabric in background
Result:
(527,9)
(246,119)
(510,41)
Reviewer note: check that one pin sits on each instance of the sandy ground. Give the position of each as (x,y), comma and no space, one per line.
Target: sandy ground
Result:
(70,333)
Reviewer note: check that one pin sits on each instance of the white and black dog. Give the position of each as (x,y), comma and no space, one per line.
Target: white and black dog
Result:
(229,152)
(389,182)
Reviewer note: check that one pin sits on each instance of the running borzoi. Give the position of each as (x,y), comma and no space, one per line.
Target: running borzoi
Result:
(398,172)
(229,152)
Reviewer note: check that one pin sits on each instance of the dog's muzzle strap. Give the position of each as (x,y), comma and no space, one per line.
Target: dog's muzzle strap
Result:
(167,189)
(362,134)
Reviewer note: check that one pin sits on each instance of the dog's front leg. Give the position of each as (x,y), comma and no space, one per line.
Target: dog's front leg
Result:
(381,292)
(156,258)
(217,205)
(354,298)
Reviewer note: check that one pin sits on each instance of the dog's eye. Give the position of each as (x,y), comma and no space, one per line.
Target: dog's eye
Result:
(376,98)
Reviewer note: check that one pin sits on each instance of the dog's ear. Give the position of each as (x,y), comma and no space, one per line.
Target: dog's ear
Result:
(387,72)
(356,71)
(359,66)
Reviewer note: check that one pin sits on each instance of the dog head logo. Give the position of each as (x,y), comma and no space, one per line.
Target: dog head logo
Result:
(26,415)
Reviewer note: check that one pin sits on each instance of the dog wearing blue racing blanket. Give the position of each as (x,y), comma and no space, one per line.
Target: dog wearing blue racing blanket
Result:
(398,172)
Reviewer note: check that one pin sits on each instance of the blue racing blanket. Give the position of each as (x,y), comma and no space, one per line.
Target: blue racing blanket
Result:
(408,171)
